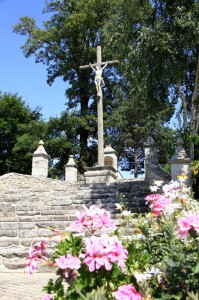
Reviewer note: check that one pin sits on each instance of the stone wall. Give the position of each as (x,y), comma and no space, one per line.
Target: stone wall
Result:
(30,206)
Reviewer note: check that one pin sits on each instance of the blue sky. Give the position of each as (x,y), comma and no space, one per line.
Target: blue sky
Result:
(22,75)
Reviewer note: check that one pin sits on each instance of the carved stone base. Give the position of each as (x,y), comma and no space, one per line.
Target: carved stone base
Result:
(104,174)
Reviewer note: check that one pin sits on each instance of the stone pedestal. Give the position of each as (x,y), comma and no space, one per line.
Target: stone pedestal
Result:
(40,161)
(105,174)
(71,170)
(151,164)
(110,157)
(180,163)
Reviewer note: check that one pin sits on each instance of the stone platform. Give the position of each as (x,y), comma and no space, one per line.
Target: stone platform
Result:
(31,206)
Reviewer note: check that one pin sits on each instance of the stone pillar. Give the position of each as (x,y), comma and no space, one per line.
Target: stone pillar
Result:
(40,161)
(71,170)
(150,156)
(180,163)
(152,168)
(110,157)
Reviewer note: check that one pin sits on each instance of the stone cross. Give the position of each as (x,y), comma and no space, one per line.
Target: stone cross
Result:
(99,82)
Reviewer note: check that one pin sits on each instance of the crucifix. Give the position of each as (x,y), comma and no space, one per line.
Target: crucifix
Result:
(99,82)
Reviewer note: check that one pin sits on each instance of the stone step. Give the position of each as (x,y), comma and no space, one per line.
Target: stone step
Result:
(95,195)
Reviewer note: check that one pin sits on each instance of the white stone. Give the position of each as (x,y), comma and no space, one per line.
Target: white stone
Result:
(180,163)
(40,161)
(104,174)
(71,170)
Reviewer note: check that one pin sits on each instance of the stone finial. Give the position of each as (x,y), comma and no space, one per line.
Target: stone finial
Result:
(71,170)
(150,142)
(108,149)
(40,161)
(71,162)
(180,151)
(40,149)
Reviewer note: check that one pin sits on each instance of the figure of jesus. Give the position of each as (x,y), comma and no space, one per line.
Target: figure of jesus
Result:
(99,81)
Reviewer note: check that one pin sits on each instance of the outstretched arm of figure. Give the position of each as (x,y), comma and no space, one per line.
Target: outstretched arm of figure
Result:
(92,67)
(105,65)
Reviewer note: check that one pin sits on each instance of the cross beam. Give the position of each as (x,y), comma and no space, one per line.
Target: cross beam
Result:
(96,64)
(98,82)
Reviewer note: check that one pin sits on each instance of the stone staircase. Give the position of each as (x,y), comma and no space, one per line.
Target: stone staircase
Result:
(31,206)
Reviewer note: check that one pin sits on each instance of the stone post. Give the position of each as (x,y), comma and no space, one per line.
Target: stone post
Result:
(180,163)
(153,171)
(110,157)
(71,170)
(150,156)
(40,161)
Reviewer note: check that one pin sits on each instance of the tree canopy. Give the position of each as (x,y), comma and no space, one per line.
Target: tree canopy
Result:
(67,41)
(20,129)
(157,44)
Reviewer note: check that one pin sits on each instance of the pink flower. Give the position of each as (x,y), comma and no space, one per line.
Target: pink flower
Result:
(160,205)
(93,218)
(47,297)
(153,197)
(116,251)
(172,189)
(68,261)
(40,247)
(32,264)
(187,223)
(103,251)
(126,292)
(157,203)
(38,252)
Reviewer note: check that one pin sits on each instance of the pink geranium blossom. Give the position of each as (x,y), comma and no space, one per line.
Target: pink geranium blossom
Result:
(37,252)
(68,261)
(126,292)
(47,297)
(93,218)
(187,223)
(157,203)
(153,197)
(104,251)
(32,264)
(40,247)
(69,264)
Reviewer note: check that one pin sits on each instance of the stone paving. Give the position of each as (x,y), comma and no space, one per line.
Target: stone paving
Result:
(21,286)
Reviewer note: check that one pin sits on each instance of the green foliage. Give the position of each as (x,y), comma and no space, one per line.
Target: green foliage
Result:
(71,244)
(20,130)
(89,285)
(157,44)
(98,294)
(161,264)
(67,41)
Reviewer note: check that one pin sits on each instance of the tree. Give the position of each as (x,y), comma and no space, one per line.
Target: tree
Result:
(62,140)
(131,124)
(160,65)
(65,42)
(170,38)
(20,129)
(144,107)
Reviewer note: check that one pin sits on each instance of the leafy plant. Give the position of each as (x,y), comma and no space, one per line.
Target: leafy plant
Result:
(155,257)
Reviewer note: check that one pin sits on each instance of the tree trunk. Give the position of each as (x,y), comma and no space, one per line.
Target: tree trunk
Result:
(135,162)
(184,104)
(83,79)
(194,112)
